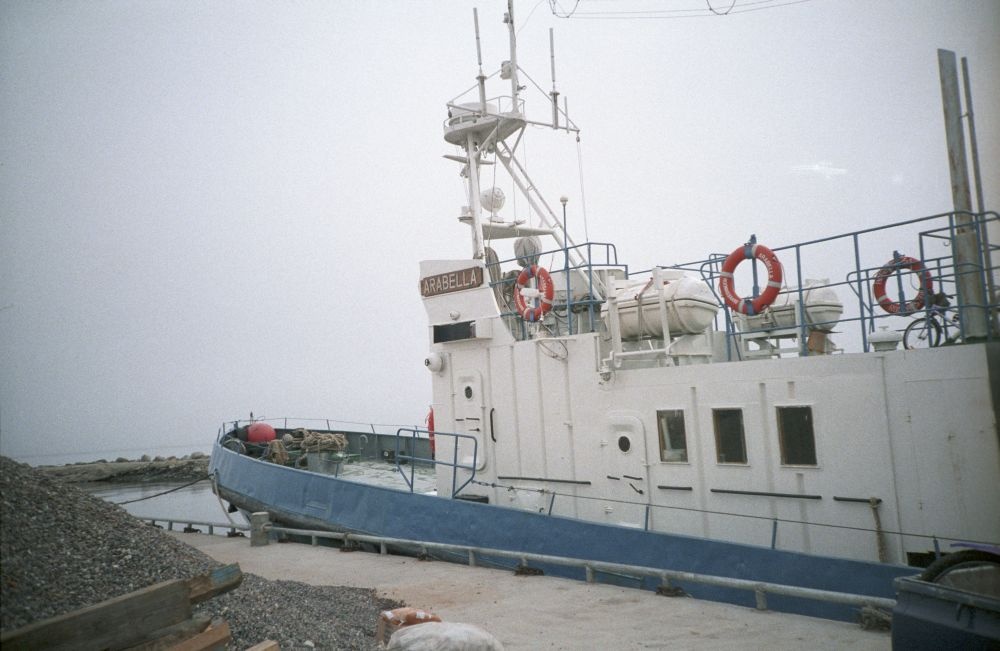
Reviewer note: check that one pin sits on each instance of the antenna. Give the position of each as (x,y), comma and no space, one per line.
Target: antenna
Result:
(514,88)
(481,78)
(555,93)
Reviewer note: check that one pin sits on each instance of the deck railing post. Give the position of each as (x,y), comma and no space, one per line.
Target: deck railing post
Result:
(761,598)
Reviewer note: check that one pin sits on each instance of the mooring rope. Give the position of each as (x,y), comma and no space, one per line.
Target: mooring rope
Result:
(176,488)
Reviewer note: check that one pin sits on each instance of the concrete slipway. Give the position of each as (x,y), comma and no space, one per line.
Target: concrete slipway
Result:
(539,612)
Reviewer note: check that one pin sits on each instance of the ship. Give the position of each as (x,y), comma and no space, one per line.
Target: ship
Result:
(746,415)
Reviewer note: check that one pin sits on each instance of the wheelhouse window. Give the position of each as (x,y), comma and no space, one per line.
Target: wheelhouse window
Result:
(795,434)
(673,438)
(730,442)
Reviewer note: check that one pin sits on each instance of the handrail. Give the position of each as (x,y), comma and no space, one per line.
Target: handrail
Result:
(760,588)
(232,526)
(859,250)
(453,464)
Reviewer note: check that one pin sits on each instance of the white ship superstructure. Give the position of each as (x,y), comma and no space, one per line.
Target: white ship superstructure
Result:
(792,417)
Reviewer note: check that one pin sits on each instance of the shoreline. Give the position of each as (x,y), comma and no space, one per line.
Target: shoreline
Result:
(187,468)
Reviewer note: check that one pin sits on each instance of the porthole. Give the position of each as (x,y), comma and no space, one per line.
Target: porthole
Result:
(624,444)
(468,393)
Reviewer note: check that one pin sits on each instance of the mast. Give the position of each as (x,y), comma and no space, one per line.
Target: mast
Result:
(472,154)
(509,19)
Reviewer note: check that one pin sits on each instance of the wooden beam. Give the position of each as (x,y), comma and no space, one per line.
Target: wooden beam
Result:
(137,618)
(119,622)
(266,645)
(215,637)
(221,579)
(164,638)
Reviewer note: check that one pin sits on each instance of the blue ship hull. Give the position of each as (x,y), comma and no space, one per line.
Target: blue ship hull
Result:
(310,500)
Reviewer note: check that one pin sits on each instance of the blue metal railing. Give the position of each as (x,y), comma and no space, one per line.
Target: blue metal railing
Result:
(595,256)
(453,464)
(872,245)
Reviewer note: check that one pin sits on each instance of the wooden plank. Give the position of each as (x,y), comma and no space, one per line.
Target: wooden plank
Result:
(215,637)
(115,623)
(221,579)
(164,638)
(266,645)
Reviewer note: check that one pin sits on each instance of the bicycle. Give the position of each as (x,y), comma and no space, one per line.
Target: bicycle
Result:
(926,331)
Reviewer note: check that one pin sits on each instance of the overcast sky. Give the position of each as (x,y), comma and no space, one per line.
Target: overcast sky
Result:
(213,208)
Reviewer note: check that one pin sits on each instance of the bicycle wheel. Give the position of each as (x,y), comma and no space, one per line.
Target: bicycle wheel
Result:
(924,332)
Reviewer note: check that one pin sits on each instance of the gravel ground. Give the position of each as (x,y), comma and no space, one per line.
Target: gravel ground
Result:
(61,549)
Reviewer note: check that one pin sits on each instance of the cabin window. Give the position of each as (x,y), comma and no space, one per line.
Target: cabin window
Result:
(454,332)
(730,443)
(795,434)
(673,439)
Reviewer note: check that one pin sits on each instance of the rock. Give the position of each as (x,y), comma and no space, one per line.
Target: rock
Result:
(145,457)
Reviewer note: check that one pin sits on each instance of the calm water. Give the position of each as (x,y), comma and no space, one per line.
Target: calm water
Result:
(191,503)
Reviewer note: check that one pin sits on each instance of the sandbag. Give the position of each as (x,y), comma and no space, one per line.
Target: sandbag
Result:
(443,636)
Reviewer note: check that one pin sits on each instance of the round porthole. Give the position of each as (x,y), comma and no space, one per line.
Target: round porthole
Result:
(468,393)
(624,444)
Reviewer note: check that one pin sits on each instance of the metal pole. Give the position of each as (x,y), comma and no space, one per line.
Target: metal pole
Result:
(569,300)
(970,289)
(478,250)
(973,148)
(977,177)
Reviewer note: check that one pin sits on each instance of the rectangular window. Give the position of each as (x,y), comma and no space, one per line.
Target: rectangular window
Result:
(454,332)
(673,439)
(795,433)
(730,443)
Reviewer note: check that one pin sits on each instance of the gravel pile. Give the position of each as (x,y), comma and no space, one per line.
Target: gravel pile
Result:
(62,549)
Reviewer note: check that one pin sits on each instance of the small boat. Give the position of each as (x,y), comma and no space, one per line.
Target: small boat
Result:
(659,418)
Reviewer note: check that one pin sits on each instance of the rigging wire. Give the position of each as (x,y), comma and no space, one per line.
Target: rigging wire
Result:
(530,14)
(736,7)
(724,13)
(583,195)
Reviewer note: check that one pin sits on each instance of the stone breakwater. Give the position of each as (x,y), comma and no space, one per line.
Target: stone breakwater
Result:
(187,468)
(62,549)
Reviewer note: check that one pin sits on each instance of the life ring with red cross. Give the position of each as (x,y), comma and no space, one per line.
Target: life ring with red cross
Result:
(891,267)
(771,263)
(545,291)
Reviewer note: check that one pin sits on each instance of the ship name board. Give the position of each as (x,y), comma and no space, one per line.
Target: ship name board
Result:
(452,281)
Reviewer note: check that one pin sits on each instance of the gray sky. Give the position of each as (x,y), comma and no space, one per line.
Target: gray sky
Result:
(208,208)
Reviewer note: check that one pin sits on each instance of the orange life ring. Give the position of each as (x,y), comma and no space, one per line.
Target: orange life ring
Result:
(888,269)
(545,286)
(746,305)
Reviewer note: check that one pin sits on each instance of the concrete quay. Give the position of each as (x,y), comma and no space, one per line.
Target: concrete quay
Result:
(541,612)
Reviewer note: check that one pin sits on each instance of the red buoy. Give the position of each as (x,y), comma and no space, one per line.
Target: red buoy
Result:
(260,433)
